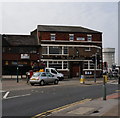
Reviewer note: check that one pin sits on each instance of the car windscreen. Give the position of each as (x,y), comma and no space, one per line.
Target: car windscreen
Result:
(36,74)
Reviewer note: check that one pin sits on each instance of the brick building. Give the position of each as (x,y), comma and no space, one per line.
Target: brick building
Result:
(18,51)
(69,49)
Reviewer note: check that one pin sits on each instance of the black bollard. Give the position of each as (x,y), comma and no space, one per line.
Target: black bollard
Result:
(119,79)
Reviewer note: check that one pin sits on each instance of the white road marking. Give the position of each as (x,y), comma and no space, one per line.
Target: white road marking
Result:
(18,96)
(5,96)
(1,91)
(113,83)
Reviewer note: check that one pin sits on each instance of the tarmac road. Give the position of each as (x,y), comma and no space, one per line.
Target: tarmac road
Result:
(35,100)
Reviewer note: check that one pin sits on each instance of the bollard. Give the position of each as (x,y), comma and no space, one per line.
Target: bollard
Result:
(17,74)
(82,79)
(119,79)
(105,78)
(104,87)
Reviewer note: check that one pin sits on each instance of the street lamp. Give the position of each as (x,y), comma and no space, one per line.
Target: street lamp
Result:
(17,71)
(94,59)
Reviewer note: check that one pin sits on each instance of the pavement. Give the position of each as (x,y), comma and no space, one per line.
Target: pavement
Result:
(95,107)
(87,107)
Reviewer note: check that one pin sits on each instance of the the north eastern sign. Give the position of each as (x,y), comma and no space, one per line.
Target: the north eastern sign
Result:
(25,56)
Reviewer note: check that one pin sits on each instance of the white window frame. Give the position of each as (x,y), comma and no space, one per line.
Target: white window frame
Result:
(52,37)
(71,35)
(89,37)
(48,49)
(57,62)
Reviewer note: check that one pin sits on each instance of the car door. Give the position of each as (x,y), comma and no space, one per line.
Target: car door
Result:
(45,77)
(50,76)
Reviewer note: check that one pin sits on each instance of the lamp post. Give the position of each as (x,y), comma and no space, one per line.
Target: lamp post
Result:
(104,87)
(95,67)
(94,59)
(17,71)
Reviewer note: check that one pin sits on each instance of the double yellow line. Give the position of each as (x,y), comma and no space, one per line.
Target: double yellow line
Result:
(60,108)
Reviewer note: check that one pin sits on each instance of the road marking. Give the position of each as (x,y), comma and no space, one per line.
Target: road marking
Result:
(60,108)
(5,96)
(1,91)
(17,96)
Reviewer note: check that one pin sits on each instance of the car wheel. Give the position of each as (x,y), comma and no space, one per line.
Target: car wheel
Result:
(42,83)
(32,84)
(56,81)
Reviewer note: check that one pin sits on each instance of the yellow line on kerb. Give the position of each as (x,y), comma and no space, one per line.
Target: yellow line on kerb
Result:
(60,108)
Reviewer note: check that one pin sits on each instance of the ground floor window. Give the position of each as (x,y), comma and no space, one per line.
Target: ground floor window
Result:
(57,64)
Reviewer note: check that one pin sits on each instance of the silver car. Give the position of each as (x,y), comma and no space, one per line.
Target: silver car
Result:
(43,78)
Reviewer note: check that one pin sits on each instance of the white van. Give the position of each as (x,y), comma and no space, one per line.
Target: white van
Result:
(54,72)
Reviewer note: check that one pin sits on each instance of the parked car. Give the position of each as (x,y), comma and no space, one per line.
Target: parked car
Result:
(52,71)
(43,78)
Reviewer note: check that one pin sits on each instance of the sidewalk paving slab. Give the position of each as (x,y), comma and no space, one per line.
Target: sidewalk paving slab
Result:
(96,107)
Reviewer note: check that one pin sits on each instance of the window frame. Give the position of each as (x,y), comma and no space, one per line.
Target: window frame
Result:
(52,37)
(71,37)
(89,37)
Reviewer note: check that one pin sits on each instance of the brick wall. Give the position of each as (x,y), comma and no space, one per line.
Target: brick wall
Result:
(65,36)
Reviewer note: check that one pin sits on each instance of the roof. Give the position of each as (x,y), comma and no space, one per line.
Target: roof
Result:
(71,29)
(20,40)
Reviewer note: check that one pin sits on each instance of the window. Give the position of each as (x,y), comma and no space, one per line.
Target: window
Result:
(87,49)
(85,65)
(36,74)
(55,64)
(91,65)
(44,50)
(43,75)
(80,38)
(71,37)
(65,66)
(65,50)
(49,75)
(52,37)
(89,37)
(53,71)
(47,70)
(55,50)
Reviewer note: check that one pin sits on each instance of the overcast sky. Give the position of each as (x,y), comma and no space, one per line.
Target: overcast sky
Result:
(23,17)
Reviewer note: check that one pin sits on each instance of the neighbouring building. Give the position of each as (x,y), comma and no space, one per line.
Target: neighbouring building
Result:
(109,56)
(18,51)
(69,49)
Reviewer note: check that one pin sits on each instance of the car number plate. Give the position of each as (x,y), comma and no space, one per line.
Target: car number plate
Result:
(33,79)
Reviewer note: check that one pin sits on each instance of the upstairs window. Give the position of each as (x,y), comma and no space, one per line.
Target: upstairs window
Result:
(52,37)
(71,37)
(89,37)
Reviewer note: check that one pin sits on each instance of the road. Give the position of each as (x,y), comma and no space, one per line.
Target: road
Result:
(33,101)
